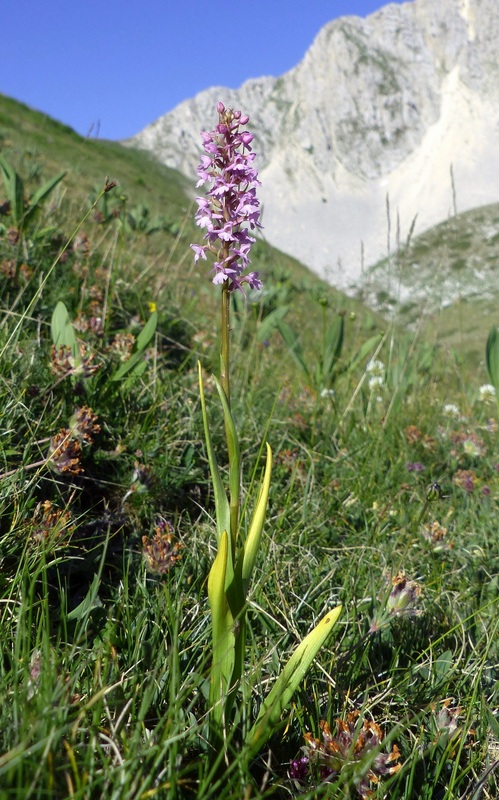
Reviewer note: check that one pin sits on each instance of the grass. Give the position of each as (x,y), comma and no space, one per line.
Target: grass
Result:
(105,633)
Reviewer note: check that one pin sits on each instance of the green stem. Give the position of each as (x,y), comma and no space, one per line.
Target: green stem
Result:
(225,353)
(225,381)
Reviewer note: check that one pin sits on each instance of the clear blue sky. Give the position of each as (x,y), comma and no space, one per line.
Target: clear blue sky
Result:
(121,64)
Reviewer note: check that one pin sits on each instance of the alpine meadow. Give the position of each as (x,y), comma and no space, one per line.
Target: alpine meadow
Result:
(248,542)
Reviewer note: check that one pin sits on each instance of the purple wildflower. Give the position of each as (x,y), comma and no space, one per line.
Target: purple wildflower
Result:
(465,479)
(298,769)
(230,206)
(414,466)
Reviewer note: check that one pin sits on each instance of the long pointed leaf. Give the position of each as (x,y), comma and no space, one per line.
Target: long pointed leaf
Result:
(89,603)
(366,348)
(252,543)
(143,340)
(147,332)
(39,196)
(293,344)
(492,357)
(289,680)
(238,589)
(333,346)
(234,466)
(222,509)
(129,364)
(269,323)
(223,637)
(15,191)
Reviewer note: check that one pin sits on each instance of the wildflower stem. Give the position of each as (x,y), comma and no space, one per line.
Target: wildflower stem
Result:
(225,349)
(33,465)
(422,513)
(433,492)
(230,435)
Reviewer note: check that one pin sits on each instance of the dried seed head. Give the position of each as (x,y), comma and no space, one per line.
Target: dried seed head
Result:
(122,345)
(158,551)
(64,363)
(65,453)
(352,744)
(49,523)
(403,597)
(84,425)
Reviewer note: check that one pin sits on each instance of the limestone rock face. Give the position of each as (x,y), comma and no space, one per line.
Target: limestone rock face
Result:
(385,120)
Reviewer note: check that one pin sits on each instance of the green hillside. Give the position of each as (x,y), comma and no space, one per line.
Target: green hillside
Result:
(248,549)
(443,283)
(45,145)
(447,278)
(161,202)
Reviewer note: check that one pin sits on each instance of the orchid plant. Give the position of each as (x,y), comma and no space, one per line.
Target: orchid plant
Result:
(230,212)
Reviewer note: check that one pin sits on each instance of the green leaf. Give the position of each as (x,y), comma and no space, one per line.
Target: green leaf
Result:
(269,324)
(14,187)
(443,664)
(249,553)
(333,346)
(493,723)
(492,358)
(43,192)
(288,681)
(91,601)
(234,465)
(220,611)
(147,331)
(63,334)
(223,639)
(222,510)
(293,343)
(135,361)
(369,345)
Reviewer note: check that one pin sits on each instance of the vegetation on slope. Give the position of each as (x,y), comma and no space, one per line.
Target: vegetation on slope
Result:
(382,499)
(444,280)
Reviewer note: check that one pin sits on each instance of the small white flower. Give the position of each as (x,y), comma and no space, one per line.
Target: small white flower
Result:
(486,393)
(451,410)
(327,393)
(376,382)
(472,448)
(375,367)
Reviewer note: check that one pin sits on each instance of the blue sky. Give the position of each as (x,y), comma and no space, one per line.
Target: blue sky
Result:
(117,65)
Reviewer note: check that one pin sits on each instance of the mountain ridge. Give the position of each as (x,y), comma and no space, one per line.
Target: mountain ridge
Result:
(404,117)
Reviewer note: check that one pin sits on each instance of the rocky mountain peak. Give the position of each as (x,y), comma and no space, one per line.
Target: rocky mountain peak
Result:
(381,108)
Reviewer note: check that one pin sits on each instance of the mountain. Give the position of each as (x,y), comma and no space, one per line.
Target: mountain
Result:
(386,120)
(444,283)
